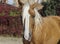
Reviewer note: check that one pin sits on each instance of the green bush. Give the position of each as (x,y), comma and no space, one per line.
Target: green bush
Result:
(50,7)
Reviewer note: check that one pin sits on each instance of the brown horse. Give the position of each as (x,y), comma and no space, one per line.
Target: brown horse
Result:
(46,30)
(42,30)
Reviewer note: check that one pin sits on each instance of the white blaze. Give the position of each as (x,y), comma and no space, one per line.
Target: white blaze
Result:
(25,19)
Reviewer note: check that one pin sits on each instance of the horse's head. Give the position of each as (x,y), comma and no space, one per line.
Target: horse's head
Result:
(27,11)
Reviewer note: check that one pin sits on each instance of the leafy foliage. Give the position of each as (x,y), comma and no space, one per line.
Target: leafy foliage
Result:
(10,20)
(9,10)
(50,7)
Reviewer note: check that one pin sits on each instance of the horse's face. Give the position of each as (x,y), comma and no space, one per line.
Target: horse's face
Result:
(29,10)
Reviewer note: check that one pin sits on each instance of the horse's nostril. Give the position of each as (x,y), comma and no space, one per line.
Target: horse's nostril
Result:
(58,42)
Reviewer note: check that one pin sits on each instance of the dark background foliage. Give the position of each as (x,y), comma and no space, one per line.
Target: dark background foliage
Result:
(51,7)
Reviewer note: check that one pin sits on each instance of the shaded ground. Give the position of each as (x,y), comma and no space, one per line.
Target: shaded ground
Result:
(10,40)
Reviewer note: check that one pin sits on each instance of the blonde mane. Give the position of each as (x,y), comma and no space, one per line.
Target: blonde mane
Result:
(25,20)
(38,18)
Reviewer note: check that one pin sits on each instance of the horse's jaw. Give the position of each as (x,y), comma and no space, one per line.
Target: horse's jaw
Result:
(25,19)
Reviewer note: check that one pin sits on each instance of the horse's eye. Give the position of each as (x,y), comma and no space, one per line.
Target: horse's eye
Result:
(58,42)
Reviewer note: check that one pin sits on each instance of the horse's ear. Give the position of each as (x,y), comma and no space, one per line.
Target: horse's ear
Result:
(37,5)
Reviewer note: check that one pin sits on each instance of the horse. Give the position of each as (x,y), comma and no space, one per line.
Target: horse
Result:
(38,29)
(46,29)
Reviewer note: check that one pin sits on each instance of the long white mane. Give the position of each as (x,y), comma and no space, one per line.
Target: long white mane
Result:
(25,19)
